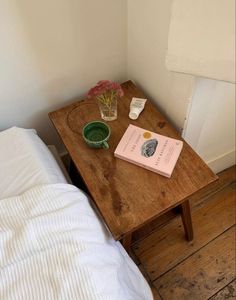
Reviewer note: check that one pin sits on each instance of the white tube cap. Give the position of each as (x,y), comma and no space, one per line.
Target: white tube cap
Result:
(134,113)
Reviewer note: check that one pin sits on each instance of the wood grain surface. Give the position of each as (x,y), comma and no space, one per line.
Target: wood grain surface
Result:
(166,247)
(226,177)
(205,272)
(126,195)
(155,293)
(228,292)
(164,252)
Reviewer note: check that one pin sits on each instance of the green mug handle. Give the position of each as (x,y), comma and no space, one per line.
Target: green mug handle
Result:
(105,145)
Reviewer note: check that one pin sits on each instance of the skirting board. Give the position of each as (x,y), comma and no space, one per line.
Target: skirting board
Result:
(222,162)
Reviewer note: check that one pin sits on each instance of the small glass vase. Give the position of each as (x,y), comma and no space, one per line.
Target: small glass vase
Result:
(108,110)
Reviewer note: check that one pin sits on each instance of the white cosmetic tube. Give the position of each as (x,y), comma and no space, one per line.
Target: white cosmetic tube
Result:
(136,107)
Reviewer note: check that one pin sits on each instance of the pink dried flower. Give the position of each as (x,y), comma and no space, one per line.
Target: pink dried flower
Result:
(107,89)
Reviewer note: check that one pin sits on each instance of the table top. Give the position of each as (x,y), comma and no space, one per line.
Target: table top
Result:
(126,195)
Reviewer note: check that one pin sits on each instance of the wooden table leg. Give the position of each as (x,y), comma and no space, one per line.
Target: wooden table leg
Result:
(187,220)
(126,242)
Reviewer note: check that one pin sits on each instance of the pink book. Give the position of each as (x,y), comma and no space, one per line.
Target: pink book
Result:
(149,150)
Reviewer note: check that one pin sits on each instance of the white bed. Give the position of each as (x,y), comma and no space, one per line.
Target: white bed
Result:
(52,243)
(25,161)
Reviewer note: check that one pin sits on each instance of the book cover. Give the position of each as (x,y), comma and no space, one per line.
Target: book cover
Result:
(149,150)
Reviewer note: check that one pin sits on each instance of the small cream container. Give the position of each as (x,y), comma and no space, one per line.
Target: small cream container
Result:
(136,107)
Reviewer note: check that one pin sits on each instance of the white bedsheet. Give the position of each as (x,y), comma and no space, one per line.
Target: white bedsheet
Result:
(54,247)
(25,161)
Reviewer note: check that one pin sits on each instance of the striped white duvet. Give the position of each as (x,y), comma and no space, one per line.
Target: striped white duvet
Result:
(53,246)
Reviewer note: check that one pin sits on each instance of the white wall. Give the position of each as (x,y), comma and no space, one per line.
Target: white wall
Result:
(148,26)
(55,50)
(210,128)
(202,38)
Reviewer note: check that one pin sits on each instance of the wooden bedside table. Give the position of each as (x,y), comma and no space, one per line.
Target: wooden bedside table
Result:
(126,195)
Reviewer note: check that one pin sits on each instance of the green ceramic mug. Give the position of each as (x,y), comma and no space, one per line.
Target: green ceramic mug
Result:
(96,134)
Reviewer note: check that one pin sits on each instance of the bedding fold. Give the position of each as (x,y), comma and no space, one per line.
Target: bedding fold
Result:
(53,246)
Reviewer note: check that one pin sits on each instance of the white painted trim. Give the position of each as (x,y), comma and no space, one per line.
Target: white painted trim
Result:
(189,107)
(197,116)
(223,161)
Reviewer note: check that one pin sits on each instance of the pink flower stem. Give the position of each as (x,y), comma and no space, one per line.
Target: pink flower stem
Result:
(107,98)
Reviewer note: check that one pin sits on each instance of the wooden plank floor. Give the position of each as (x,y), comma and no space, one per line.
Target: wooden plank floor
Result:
(201,269)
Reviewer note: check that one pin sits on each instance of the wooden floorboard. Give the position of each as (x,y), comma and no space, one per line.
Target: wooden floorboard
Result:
(204,273)
(147,229)
(199,270)
(226,178)
(167,247)
(155,293)
(228,292)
